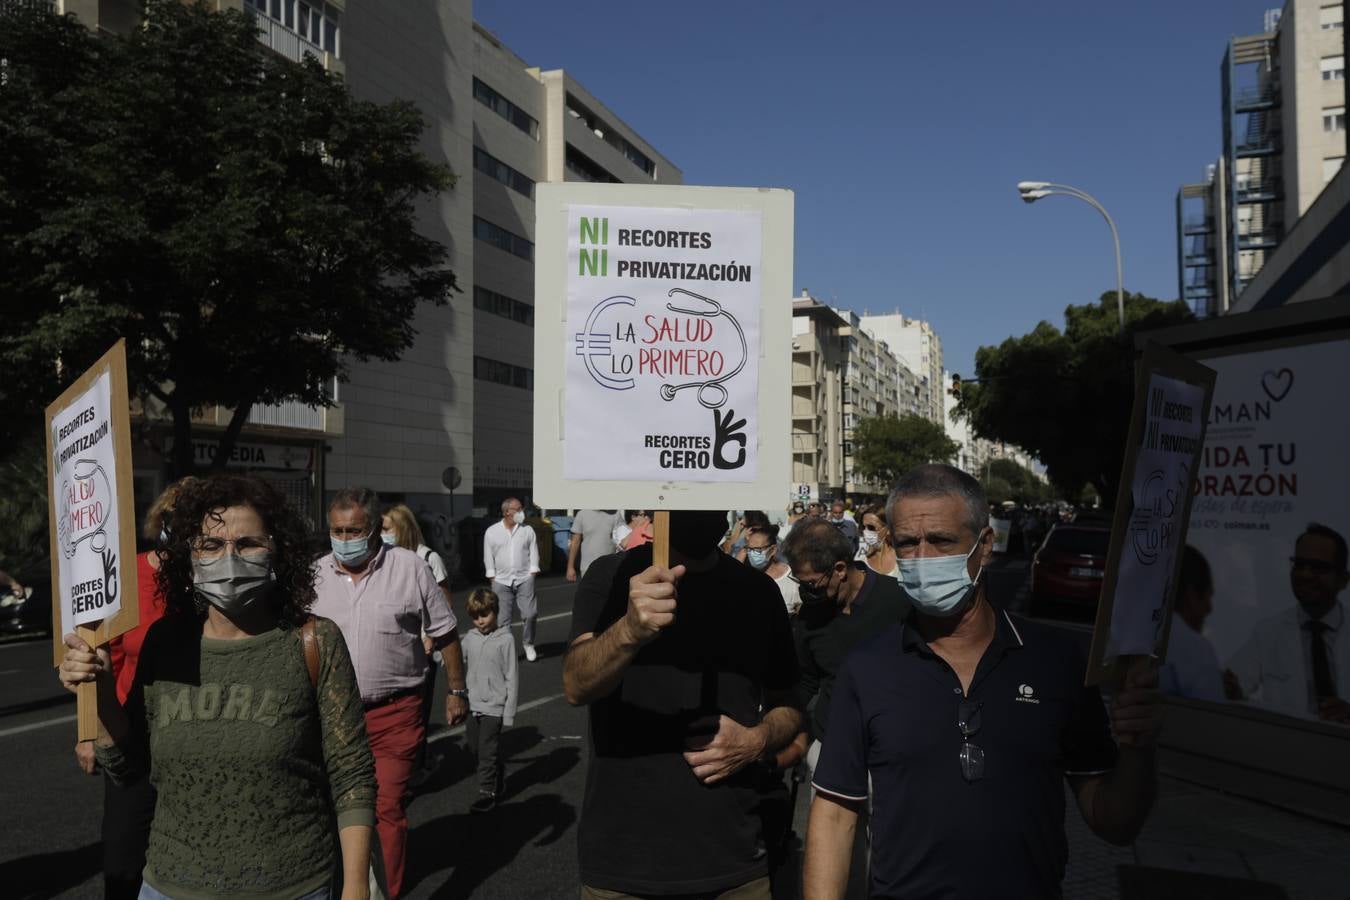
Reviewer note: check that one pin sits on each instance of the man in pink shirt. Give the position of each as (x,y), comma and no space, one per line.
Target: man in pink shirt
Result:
(383,597)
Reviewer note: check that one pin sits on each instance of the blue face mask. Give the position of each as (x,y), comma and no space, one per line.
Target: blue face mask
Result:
(351,553)
(757,558)
(939,586)
(388,538)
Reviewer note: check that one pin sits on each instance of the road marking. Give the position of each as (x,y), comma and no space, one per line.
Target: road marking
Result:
(19,729)
(543,619)
(459,729)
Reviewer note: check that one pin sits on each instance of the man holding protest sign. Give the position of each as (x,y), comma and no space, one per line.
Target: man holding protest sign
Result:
(966,720)
(676,688)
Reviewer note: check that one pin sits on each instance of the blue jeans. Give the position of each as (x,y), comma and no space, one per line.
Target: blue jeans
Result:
(149,893)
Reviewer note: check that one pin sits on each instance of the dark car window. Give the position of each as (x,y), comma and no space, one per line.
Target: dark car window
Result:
(1078,540)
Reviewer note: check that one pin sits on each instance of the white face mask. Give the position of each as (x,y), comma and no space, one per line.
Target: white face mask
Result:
(940,586)
(870,539)
(518,518)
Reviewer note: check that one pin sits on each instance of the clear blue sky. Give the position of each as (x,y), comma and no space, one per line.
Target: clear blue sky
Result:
(904,127)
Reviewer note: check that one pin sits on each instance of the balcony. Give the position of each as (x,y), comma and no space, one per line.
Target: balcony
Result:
(280,39)
(1203,225)
(289,416)
(1256,98)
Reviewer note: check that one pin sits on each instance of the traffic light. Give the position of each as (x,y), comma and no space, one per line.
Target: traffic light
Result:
(956,385)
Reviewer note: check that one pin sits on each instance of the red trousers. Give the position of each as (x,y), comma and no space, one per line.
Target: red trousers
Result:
(394,730)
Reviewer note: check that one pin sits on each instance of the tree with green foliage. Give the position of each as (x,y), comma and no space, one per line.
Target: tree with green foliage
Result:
(886,447)
(246,224)
(1065,396)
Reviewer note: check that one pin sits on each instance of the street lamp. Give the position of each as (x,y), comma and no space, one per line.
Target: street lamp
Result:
(1032,191)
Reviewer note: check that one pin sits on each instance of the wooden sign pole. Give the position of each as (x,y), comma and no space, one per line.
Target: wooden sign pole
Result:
(86,695)
(661,538)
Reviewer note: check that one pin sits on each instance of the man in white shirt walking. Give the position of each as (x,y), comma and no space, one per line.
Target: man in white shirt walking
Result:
(511,558)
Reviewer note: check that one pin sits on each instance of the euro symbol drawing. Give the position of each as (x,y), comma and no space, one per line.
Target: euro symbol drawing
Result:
(592,343)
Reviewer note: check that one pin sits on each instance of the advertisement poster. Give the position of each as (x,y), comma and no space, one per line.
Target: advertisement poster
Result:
(663,314)
(93,527)
(1274,463)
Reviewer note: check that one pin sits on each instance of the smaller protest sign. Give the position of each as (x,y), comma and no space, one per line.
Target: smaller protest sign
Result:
(1162,456)
(93,522)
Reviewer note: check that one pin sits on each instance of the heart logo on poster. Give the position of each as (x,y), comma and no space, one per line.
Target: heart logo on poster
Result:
(1277,384)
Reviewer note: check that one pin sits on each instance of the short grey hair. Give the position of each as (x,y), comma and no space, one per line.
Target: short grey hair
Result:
(362,498)
(942,480)
(508,501)
(819,544)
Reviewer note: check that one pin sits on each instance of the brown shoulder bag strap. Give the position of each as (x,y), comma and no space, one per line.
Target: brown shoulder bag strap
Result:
(311,643)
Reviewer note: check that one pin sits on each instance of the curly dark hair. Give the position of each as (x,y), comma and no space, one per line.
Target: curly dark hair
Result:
(205,499)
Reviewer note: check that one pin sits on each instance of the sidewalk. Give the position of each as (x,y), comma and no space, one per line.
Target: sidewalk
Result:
(1202,843)
(1199,844)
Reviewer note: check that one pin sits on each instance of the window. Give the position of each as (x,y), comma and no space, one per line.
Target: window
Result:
(1330,167)
(498,372)
(602,129)
(1333,68)
(490,165)
(502,239)
(585,168)
(505,108)
(1333,118)
(502,305)
(1331,17)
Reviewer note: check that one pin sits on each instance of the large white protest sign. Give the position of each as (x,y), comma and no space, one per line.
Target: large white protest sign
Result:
(663,330)
(92,521)
(1163,473)
(1162,455)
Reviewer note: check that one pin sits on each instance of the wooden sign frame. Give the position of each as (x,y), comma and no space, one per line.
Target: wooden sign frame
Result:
(1155,360)
(114,365)
(554,346)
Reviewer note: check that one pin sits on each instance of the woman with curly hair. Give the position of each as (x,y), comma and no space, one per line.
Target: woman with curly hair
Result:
(256,756)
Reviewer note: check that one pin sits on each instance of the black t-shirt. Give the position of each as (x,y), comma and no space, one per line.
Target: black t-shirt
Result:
(894,718)
(825,636)
(648,826)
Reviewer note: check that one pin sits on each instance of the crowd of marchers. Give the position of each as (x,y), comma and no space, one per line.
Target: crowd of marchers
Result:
(261,730)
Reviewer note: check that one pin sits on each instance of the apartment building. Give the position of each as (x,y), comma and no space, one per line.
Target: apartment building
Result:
(871,383)
(919,349)
(819,360)
(448,427)
(529,127)
(1283,138)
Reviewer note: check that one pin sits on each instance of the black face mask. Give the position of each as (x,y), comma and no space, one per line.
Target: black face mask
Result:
(695,533)
(816,594)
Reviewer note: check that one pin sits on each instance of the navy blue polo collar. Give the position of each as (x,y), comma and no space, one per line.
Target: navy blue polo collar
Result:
(1006,635)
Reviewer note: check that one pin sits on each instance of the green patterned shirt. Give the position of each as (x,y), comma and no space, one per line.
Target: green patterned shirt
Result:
(255,768)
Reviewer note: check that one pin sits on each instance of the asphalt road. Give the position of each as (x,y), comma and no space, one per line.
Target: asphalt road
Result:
(524,848)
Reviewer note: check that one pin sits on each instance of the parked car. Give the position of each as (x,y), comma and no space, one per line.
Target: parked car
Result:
(1069,567)
(30,614)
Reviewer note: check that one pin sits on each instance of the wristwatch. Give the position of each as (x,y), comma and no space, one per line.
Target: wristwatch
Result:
(459,692)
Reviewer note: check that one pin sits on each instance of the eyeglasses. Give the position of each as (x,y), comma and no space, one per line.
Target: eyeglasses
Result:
(210,549)
(972,757)
(1315,566)
(819,585)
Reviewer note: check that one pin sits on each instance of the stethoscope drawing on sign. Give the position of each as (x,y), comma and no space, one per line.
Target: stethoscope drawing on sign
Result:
(716,386)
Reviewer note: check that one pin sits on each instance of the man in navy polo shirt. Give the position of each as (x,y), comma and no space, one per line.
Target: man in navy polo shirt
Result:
(967,719)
